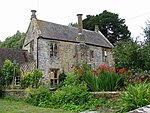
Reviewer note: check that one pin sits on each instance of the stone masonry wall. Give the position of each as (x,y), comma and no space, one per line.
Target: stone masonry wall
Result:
(64,60)
(32,36)
(66,57)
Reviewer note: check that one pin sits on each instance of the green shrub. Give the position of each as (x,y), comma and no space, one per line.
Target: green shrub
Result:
(9,71)
(137,95)
(72,79)
(62,78)
(11,98)
(71,96)
(31,79)
(38,97)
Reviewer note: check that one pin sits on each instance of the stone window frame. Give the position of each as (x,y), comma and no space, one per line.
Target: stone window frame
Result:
(104,55)
(91,55)
(17,81)
(54,77)
(53,49)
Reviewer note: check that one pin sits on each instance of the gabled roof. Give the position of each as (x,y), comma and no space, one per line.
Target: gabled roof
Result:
(66,33)
(17,55)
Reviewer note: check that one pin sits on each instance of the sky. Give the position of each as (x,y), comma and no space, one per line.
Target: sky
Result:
(15,14)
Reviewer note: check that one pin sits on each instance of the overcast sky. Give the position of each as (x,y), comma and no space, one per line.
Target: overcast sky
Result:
(15,14)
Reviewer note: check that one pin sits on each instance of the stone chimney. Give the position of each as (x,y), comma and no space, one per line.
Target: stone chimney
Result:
(96,28)
(80,37)
(33,14)
(80,27)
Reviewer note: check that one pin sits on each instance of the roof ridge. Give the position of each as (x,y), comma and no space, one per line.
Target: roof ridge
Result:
(66,25)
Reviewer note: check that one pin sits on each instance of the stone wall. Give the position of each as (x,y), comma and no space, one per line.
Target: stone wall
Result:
(68,54)
(107,94)
(31,38)
(63,61)
(17,93)
(145,109)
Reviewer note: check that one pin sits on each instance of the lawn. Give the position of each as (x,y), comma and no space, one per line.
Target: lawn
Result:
(7,106)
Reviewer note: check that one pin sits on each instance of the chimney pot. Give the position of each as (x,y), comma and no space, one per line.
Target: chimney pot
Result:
(33,14)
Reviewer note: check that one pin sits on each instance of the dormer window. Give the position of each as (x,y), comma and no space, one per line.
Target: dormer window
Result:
(53,50)
(104,55)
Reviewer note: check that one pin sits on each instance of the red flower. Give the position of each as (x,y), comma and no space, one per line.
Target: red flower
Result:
(96,72)
(112,69)
(122,70)
(102,67)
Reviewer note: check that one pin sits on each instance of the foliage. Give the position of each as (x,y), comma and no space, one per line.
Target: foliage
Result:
(102,79)
(137,95)
(145,56)
(132,55)
(31,79)
(147,31)
(10,98)
(72,79)
(110,25)
(71,94)
(73,25)
(62,78)
(127,55)
(38,97)
(72,97)
(9,71)
(110,81)
(15,41)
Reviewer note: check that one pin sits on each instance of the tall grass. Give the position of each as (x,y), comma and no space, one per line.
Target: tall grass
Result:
(102,79)
(137,95)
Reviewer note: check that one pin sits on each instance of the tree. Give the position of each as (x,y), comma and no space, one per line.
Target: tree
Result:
(145,53)
(127,54)
(112,27)
(15,41)
(73,25)
(147,31)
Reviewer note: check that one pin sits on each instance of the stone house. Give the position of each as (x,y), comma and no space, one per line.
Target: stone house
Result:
(57,48)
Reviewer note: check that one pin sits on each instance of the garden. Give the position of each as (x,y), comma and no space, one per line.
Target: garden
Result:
(75,92)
